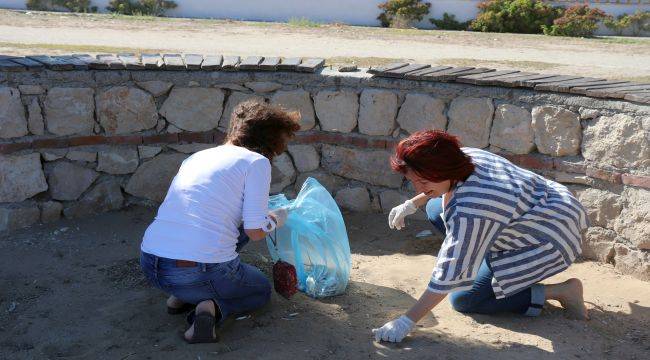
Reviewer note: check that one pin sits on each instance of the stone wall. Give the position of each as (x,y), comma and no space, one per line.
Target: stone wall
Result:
(74,143)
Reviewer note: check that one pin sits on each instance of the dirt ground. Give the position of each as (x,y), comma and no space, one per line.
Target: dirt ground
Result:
(73,290)
(23,33)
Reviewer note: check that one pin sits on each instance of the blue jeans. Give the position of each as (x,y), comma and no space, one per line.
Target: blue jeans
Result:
(234,286)
(480,299)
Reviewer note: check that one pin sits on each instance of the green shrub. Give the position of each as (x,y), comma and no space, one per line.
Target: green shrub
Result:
(578,20)
(639,21)
(515,16)
(141,7)
(402,13)
(449,22)
(618,24)
(82,6)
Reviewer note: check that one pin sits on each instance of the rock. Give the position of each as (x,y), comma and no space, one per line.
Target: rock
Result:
(283,173)
(377,112)
(147,152)
(422,112)
(68,181)
(193,83)
(263,86)
(348,68)
(620,141)
(51,211)
(31,89)
(173,129)
(123,110)
(97,129)
(105,196)
(602,207)
(337,110)
(470,119)
(118,161)
(35,118)
(233,87)
(235,99)
(190,148)
(21,177)
(370,166)
(634,221)
(160,126)
(12,114)
(557,130)
(390,198)
(193,109)
(634,262)
(305,157)
(355,199)
(86,156)
(571,178)
(53,154)
(512,130)
(14,217)
(69,111)
(155,87)
(152,178)
(587,114)
(330,182)
(598,244)
(297,100)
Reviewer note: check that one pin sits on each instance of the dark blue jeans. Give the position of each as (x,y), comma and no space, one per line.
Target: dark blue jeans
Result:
(235,287)
(480,299)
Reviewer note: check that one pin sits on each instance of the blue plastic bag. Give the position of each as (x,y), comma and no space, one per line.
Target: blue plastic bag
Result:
(314,240)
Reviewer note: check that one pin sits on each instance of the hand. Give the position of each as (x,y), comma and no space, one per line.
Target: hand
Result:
(394,331)
(399,212)
(279,215)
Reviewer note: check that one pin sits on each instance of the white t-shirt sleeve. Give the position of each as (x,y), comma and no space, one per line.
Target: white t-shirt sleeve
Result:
(256,194)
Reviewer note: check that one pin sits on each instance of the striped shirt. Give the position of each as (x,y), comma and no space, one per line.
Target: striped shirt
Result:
(528,227)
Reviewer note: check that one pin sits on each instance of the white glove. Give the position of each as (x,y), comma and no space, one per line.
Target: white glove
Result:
(394,331)
(399,212)
(280,216)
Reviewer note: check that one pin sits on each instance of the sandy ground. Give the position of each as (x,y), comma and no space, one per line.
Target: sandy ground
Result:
(38,32)
(73,290)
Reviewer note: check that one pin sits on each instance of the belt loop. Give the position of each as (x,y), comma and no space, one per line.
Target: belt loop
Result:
(155,262)
(203,267)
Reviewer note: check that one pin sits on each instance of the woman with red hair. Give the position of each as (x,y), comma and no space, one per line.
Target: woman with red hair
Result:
(506,229)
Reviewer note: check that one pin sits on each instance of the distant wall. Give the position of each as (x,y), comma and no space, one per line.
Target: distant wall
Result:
(352,12)
(78,142)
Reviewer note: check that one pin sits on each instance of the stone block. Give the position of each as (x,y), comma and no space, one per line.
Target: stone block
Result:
(51,211)
(118,161)
(147,152)
(123,110)
(354,199)
(634,221)
(422,112)
(305,157)
(370,166)
(35,121)
(283,173)
(155,87)
(70,111)
(602,207)
(620,141)
(337,111)
(557,131)
(68,181)
(263,86)
(193,109)
(12,114)
(14,217)
(470,119)
(85,156)
(152,178)
(512,130)
(105,196)
(377,112)
(297,100)
(21,177)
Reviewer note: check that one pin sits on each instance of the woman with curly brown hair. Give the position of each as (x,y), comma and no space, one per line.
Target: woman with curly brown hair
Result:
(217,201)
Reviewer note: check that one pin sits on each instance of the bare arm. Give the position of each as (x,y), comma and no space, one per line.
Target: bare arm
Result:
(420,200)
(425,304)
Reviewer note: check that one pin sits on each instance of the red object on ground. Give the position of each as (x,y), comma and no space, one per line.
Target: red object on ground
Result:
(285,279)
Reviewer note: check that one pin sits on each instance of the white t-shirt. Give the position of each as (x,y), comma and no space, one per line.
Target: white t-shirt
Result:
(214,191)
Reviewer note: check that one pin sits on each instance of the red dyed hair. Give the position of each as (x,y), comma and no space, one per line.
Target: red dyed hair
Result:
(434,155)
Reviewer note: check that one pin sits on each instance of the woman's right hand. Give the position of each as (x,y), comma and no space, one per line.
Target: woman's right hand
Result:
(399,212)
(279,215)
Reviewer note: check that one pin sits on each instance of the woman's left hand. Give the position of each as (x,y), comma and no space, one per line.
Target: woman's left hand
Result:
(394,331)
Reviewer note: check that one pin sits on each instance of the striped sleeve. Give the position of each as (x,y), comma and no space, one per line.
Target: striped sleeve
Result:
(464,248)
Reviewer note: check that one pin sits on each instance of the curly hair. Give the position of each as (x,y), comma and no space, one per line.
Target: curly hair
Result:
(262,127)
